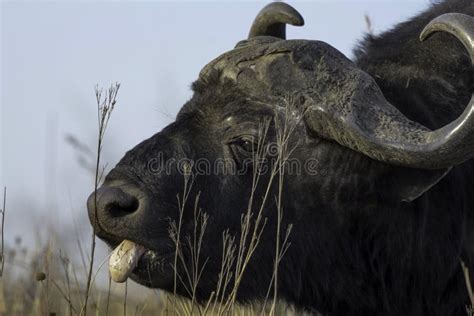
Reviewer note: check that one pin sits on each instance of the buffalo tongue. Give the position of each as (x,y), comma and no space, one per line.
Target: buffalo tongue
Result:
(124,259)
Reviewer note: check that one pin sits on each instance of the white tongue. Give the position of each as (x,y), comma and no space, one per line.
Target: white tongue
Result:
(124,259)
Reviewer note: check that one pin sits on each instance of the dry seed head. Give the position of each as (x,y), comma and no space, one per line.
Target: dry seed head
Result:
(40,276)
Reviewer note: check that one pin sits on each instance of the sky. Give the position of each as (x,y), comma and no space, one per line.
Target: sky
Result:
(54,53)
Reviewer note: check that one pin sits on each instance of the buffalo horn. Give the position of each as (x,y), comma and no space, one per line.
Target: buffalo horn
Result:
(374,127)
(271,20)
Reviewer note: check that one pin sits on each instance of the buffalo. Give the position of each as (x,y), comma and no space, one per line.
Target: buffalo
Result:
(346,185)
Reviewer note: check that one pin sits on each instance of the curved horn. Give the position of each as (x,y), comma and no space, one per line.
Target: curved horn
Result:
(272,18)
(368,123)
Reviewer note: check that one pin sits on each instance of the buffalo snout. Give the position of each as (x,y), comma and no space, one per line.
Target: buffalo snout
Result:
(113,207)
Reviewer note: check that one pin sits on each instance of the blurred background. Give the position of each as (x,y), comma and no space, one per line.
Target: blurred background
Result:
(54,53)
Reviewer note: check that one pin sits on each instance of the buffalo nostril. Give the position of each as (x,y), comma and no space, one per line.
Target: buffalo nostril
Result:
(111,202)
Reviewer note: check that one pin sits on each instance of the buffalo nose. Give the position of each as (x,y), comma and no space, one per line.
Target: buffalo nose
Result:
(111,202)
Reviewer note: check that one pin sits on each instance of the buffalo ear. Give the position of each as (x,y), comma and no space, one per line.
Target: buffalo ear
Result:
(407,184)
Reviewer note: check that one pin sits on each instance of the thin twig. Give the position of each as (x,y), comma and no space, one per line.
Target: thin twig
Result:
(65,263)
(2,211)
(108,297)
(66,298)
(368,24)
(467,278)
(105,106)
(125,299)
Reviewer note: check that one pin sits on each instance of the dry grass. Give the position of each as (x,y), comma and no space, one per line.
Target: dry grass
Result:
(2,233)
(237,250)
(105,106)
(45,281)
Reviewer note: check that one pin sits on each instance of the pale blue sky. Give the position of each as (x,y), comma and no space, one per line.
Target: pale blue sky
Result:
(52,55)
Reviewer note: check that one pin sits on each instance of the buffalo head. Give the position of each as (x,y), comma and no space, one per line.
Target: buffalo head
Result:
(278,134)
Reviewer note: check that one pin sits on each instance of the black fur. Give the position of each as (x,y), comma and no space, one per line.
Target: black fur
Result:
(354,250)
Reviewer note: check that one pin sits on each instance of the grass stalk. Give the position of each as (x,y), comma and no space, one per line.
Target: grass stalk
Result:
(108,296)
(105,107)
(2,235)
(125,299)
(467,278)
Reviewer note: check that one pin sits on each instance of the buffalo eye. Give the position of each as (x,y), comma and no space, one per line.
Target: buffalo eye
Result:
(243,145)
(246,144)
